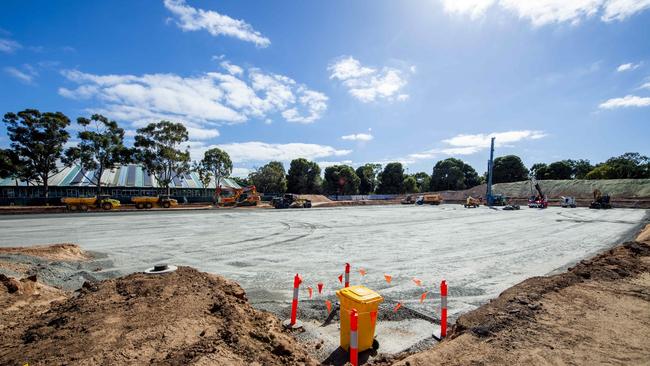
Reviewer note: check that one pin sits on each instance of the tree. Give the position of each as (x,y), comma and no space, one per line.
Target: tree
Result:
(508,168)
(538,171)
(160,152)
(368,177)
(410,184)
(37,140)
(303,176)
(580,168)
(628,165)
(391,179)
(244,182)
(453,174)
(218,163)
(559,170)
(101,147)
(11,166)
(423,180)
(205,175)
(271,178)
(341,179)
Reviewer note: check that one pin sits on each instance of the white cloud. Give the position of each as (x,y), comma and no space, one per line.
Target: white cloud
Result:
(8,45)
(626,101)
(645,86)
(325,164)
(25,74)
(201,102)
(193,19)
(470,144)
(240,172)
(261,151)
(542,12)
(369,84)
(358,137)
(232,69)
(627,67)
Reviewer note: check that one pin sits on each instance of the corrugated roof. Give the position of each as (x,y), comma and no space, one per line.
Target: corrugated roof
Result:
(124,176)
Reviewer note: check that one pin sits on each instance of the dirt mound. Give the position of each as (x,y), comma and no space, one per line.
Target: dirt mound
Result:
(61,252)
(644,235)
(596,313)
(315,198)
(184,317)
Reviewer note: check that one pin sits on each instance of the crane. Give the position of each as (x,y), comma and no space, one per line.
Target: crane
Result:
(538,201)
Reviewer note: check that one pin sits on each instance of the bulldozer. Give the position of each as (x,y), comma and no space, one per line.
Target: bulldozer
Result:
(147,202)
(246,196)
(104,202)
(601,201)
(472,202)
(290,200)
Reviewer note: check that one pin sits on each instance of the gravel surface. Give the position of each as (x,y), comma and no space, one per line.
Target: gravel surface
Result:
(480,252)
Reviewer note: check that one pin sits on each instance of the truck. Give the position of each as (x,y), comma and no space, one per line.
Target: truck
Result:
(409,200)
(431,199)
(104,202)
(568,202)
(147,202)
(290,200)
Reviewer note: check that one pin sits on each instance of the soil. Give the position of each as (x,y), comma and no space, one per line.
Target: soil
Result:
(61,252)
(183,317)
(595,313)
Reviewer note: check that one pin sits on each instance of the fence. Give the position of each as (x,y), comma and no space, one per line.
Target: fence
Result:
(360,197)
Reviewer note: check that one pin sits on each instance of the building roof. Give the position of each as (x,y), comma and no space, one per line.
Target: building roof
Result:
(131,175)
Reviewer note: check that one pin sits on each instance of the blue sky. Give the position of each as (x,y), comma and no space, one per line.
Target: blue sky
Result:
(342,81)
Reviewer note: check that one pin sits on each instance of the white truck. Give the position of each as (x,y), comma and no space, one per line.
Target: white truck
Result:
(568,202)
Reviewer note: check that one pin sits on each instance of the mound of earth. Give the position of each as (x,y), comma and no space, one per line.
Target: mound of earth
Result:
(315,198)
(61,252)
(183,317)
(595,313)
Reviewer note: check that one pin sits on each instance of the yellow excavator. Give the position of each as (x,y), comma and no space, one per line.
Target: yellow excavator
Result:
(601,201)
(246,196)
(472,202)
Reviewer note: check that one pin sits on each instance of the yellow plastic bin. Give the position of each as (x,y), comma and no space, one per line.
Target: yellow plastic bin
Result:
(365,301)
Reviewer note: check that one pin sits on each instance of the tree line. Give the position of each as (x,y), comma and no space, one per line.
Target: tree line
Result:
(39,149)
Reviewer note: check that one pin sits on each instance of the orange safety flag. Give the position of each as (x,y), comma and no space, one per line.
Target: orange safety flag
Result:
(341,278)
(388,278)
(373,317)
(399,305)
(320,287)
(362,271)
(423,297)
(329,306)
(310,291)
(417,281)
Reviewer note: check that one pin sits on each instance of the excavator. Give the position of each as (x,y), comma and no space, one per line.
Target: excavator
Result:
(246,196)
(600,200)
(539,200)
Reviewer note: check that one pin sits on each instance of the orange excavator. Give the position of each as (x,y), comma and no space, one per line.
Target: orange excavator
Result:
(246,196)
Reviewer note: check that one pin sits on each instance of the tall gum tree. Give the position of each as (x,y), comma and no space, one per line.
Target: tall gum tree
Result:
(159,148)
(101,147)
(37,140)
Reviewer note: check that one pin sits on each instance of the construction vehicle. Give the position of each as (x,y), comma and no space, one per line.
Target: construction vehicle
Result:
(539,200)
(104,202)
(510,206)
(431,199)
(290,200)
(600,200)
(246,196)
(472,202)
(409,200)
(147,202)
(568,202)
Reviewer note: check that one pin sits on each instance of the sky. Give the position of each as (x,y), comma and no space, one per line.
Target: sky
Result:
(344,82)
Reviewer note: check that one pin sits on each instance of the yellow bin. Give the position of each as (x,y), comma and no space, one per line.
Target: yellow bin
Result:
(365,301)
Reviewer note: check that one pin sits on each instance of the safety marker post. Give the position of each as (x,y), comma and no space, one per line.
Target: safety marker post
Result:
(354,337)
(328,304)
(293,323)
(443,309)
(347,275)
(388,278)
(417,281)
(423,296)
(362,272)
(341,279)
(310,292)
(399,305)
(320,288)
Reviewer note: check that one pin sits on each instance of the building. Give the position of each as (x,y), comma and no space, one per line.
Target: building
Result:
(121,183)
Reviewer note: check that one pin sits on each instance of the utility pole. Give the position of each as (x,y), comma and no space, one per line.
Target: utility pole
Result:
(488,194)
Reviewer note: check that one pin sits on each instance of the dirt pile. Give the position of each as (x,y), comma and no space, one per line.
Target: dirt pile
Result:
(596,313)
(61,252)
(315,198)
(183,317)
